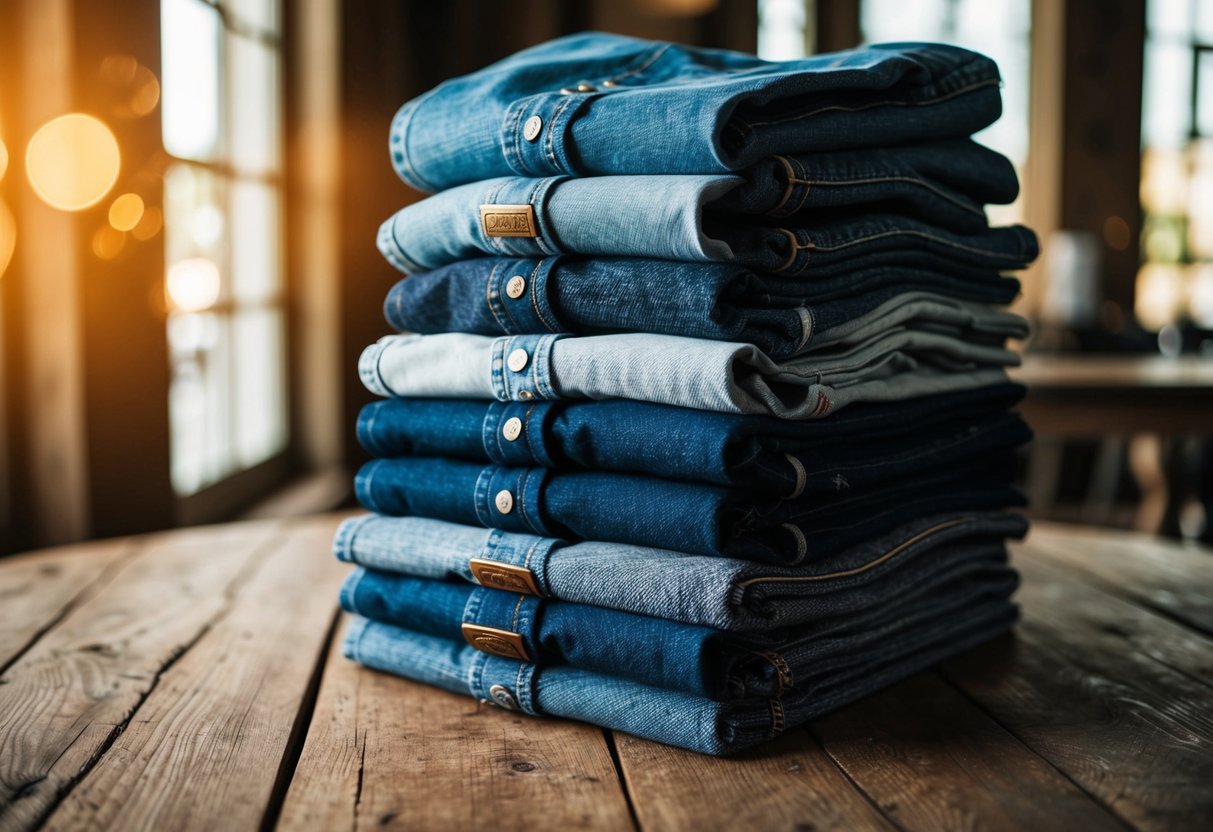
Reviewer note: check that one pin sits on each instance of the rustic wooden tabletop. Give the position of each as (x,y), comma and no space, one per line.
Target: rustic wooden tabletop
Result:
(193,680)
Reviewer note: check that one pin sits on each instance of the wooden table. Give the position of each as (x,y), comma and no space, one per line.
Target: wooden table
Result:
(193,680)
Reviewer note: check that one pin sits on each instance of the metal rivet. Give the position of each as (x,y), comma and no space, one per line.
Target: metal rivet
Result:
(502,696)
(610,83)
(584,87)
(512,428)
(567,90)
(530,130)
(515,286)
(525,396)
(504,501)
(518,360)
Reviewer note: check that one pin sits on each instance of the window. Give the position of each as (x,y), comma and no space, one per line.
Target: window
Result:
(223,204)
(1175,283)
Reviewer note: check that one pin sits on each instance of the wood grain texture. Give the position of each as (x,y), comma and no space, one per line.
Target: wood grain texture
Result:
(387,753)
(1167,577)
(932,760)
(787,784)
(65,701)
(1075,686)
(216,731)
(37,590)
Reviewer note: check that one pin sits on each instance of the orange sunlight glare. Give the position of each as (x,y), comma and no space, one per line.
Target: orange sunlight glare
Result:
(72,161)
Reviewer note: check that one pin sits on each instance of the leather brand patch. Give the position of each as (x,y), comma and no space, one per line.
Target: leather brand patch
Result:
(508,220)
(494,641)
(505,576)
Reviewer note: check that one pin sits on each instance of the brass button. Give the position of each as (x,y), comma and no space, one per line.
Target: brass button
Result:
(502,696)
(512,428)
(504,501)
(515,286)
(584,87)
(518,360)
(525,396)
(610,83)
(530,130)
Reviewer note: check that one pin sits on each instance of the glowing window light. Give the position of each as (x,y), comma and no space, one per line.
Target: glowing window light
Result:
(3,159)
(189,86)
(72,162)
(193,284)
(126,211)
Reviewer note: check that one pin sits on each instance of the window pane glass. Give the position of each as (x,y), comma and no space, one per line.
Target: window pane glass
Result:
(195,223)
(256,264)
(262,15)
(1169,17)
(781,29)
(199,350)
(253,96)
(260,390)
(189,39)
(1166,100)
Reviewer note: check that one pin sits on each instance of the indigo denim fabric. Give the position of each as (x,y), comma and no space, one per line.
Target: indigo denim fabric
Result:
(771,455)
(692,722)
(721,593)
(690,218)
(647,511)
(595,104)
(694,445)
(668,654)
(687,372)
(590,296)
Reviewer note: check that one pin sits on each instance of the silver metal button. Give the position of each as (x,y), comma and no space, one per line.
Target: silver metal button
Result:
(504,501)
(515,286)
(610,83)
(512,428)
(502,696)
(567,90)
(525,395)
(518,360)
(584,87)
(530,130)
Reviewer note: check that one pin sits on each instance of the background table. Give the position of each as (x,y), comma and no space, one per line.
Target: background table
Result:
(193,680)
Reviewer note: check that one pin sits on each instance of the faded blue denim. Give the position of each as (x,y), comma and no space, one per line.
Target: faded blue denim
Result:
(701,519)
(590,296)
(599,104)
(668,654)
(687,218)
(776,456)
(722,593)
(687,372)
(692,722)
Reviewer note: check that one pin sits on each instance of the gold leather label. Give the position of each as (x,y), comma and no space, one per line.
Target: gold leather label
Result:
(505,576)
(508,220)
(498,642)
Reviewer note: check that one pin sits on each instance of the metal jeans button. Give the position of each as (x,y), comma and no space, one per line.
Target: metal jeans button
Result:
(530,130)
(504,501)
(512,428)
(515,286)
(502,696)
(518,360)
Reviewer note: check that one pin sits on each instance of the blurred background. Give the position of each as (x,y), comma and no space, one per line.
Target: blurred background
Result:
(189,193)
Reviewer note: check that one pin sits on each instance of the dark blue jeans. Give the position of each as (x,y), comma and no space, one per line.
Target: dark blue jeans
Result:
(860,444)
(587,296)
(683,516)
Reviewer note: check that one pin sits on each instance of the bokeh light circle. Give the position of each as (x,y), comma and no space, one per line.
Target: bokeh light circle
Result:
(126,211)
(73,161)
(193,285)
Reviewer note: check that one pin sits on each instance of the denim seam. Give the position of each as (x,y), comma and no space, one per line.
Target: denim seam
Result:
(872,104)
(646,61)
(524,510)
(481,495)
(368,475)
(527,432)
(550,138)
(807,322)
(492,299)
(909,232)
(496,244)
(536,285)
(905,546)
(349,595)
(908,179)
(403,132)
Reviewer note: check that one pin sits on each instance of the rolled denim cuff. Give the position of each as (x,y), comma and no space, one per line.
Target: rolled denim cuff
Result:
(506,612)
(521,367)
(508,498)
(368,368)
(398,145)
(547,152)
(505,683)
(516,434)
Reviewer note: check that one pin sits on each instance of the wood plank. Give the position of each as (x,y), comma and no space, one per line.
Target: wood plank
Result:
(215,735)
(386,753)
(38,589)
(790,783)
(1167,577)
(932,760)
(67,699)
(1128,729)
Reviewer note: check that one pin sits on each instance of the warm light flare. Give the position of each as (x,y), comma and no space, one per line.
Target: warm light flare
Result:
(108,243)
(1160,294)
(3,159)
(126,211)
(150,224)
(8,237)
(193,285)
(73,161)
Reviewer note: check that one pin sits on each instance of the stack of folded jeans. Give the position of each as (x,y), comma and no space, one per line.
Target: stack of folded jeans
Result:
(698,424)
